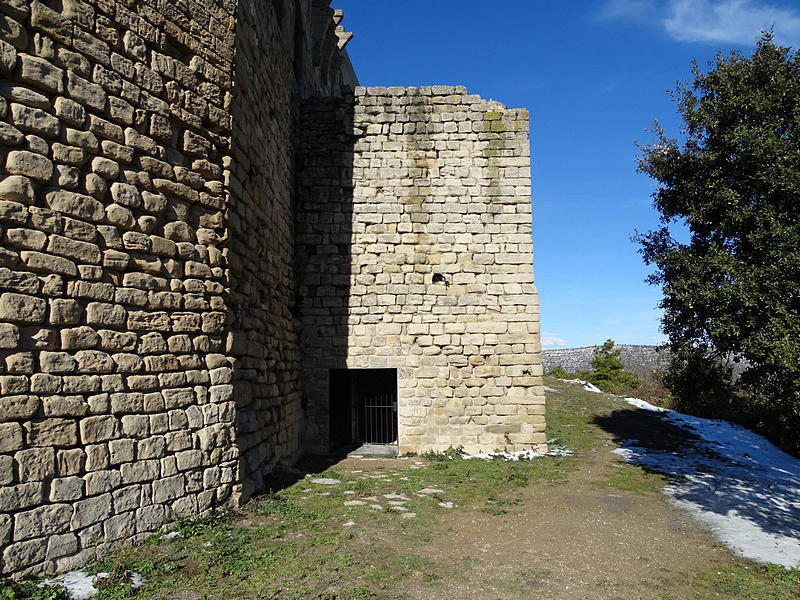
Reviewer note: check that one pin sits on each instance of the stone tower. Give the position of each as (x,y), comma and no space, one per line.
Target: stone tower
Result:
(213,244)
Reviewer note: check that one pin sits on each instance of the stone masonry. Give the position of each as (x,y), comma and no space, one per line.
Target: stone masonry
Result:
(414,252)
(200,215)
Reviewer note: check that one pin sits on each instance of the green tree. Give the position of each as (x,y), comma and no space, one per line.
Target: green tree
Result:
(608,370)
(732,292)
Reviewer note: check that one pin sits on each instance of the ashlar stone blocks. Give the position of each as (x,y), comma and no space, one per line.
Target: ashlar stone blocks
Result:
(415,253)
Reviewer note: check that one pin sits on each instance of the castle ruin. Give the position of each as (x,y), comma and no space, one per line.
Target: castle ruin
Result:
(220,253)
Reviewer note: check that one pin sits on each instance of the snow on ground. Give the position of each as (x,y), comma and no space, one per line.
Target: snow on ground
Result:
(81,585)
(519,455)
(734,482)
(589,387)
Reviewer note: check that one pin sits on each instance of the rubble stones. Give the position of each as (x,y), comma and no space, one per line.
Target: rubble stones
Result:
(29,164)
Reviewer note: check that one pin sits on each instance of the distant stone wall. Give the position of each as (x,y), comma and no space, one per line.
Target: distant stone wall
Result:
(421,260)
(642,360)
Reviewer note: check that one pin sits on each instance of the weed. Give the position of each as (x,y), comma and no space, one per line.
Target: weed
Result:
(192,526)
(449,454)
(27,590)
(749,581)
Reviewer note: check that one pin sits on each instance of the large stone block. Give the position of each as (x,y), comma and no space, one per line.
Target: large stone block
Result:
(29,164)
(106,315)
(21,496)
(35,464)
(76,205)
(87,94)
(16,188)
(47,263)
(44,520)
(53,432)
(21,555)
(90,511)
(9,336)
(22,308)
(41,73)
(35,120)
(10,437)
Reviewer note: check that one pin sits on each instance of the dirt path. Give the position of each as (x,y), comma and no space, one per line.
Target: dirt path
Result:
(575,540)
(442,528)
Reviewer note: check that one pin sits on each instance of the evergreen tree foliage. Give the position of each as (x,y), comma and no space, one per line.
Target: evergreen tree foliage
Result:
(608,370)
(732,292)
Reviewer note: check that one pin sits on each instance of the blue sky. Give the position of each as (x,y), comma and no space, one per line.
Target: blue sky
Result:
(594,75)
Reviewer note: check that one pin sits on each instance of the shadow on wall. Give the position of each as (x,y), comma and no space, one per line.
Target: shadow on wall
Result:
(323,254)
(261,336)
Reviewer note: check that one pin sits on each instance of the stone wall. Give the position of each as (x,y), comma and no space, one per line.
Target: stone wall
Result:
(420,259)
(116,408)
(304,43)
(198,219)
(642,360)
(145,267)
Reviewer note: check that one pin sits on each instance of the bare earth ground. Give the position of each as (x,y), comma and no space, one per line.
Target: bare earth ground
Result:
(572,540)
(577,540)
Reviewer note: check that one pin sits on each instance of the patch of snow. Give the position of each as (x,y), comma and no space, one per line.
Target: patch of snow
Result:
(520,454)
(172,535)
(644,405)
(732,481)
(81,585)
(589,387)
(549,389)
(78,584)
(136,579)
(446,504)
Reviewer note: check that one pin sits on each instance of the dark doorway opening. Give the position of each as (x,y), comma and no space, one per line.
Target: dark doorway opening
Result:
(363,407)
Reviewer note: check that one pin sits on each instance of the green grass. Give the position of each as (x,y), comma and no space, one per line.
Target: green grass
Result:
(570,411)
(27,590)
(630,478)
(293,543)
(748,581)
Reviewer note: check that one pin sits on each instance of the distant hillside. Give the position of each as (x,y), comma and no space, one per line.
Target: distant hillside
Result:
(642,360)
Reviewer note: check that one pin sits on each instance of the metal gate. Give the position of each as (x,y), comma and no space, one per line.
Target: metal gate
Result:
(378,419)
(363,407)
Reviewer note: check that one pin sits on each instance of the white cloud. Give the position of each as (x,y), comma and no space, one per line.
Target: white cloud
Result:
(551,340)
(729,21)
(715,21)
